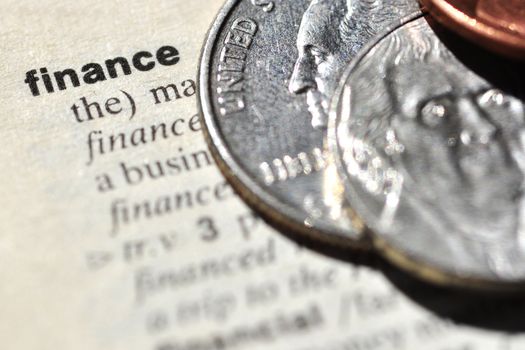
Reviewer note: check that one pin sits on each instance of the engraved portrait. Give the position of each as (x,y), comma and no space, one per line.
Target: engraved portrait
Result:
(330,35)
(441,150)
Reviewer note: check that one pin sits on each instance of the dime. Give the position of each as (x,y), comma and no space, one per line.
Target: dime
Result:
(498,25)
(429,137)
(268,71)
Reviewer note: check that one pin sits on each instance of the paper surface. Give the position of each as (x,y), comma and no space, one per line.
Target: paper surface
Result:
(118,231)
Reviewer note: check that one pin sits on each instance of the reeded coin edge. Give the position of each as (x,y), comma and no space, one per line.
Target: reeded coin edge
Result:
(405,261)
(250,191)
(489,37)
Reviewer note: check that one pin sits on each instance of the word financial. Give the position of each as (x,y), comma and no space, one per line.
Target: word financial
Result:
(93,73)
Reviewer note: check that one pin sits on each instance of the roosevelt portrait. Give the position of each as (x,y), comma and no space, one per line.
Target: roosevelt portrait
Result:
(330,35)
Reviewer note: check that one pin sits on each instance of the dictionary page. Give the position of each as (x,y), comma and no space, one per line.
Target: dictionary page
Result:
(119,232)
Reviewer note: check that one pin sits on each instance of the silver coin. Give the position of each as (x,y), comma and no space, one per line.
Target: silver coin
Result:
(268,71)
(429,136)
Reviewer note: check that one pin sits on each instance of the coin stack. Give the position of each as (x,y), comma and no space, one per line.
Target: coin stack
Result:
(378,125)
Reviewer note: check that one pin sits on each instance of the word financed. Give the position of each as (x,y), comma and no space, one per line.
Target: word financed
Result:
(92,73)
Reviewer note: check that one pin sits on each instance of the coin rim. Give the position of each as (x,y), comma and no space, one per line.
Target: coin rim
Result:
(248,189)
(398,257)
(473,29)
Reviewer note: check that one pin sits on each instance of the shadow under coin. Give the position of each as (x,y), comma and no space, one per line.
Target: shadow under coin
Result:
(482,309)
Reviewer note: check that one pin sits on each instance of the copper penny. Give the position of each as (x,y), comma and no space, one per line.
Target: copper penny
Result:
(498,25)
